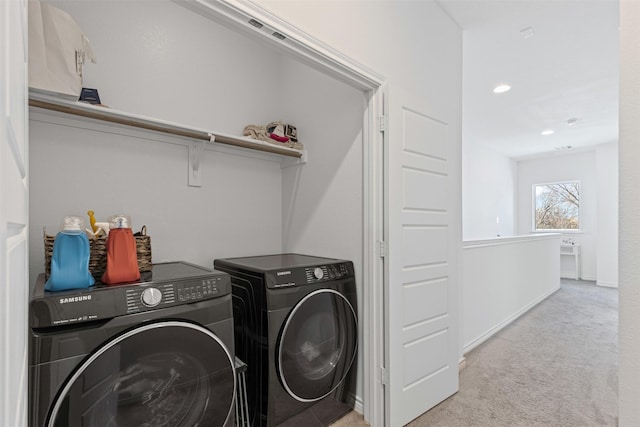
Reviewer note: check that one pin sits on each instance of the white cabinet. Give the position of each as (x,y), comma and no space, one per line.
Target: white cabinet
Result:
(570,251)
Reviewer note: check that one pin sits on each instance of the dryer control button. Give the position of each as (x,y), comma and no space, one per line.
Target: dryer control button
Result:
(318,273)
(151,297)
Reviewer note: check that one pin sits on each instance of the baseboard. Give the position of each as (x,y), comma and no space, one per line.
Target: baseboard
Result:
(356,403)
(462,364)
(492,331)
(573,277)
(606,284)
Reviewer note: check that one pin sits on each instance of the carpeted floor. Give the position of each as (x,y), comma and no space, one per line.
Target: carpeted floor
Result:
(557,365)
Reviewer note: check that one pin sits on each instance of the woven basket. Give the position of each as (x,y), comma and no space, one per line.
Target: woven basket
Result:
(98,255)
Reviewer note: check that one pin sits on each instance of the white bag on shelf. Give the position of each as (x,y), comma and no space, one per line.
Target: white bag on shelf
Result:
(57,51)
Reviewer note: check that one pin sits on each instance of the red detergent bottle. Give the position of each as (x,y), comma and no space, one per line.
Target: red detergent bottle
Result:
(122,258)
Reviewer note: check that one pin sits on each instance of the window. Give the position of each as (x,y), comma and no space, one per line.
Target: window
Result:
(557,206)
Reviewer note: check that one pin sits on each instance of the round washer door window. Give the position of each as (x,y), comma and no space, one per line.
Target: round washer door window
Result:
(317,345)
(165,374)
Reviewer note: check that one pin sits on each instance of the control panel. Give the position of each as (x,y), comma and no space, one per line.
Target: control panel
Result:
(327,272)
(205,289)
(143,298)
(287,278)
(175,283)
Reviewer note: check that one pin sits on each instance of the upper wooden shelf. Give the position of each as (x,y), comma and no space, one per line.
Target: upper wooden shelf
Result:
(105,114)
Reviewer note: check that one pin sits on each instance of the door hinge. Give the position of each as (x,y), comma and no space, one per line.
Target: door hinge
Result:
(383,376)
(382,123)
(382,249)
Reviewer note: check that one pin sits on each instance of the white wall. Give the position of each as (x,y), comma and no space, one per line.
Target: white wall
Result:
(324,199)
(144,68)
(607,235)
(161,60)
(629,328)
(322,202)
(74,170)
(502,279)
(579,166)
(488,191)
(410,43)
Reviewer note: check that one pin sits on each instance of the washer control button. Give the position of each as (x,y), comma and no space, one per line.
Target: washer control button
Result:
(318,273)
(151,297)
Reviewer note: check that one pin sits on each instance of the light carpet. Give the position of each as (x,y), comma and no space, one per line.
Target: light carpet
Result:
(557,365)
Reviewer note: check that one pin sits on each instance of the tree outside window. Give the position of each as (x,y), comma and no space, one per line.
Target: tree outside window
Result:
(557,206)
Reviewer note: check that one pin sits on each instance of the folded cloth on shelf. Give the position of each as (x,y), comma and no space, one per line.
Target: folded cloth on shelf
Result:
(277,133)
(256,132)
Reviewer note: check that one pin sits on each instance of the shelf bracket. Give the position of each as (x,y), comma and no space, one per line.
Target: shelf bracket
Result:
(288,162)
(196,149)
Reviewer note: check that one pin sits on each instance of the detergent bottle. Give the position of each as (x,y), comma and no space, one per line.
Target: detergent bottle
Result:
(70,258)
(122,258)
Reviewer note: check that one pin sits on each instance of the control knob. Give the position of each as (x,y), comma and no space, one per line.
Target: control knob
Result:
(318,273)
(151,297)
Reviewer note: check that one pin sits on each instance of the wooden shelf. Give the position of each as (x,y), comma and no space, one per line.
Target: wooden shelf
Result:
(82,109)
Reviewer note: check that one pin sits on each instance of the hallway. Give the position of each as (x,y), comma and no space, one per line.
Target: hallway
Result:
(557,365)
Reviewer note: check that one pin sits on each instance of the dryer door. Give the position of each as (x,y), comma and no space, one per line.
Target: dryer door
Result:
(317,345)
(169,374)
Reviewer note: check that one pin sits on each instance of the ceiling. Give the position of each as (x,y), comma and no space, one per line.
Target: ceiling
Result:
(568,69)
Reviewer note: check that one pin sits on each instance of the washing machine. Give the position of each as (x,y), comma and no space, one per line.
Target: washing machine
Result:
(155,353)
(295,325)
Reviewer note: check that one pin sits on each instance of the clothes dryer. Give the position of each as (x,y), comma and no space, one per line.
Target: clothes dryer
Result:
(296,328)
(155,353)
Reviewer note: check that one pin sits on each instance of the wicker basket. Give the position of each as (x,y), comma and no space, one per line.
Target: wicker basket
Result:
(98,256)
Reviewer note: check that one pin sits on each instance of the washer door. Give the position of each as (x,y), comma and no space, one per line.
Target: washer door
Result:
(161,374)
(317,345)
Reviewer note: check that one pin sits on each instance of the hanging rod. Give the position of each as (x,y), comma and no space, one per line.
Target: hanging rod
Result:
(114,116)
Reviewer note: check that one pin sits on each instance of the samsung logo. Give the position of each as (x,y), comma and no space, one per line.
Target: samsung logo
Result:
(284,273)
(75,299)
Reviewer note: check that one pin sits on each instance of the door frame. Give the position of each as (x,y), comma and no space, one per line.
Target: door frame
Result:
(14,213)
(322,57)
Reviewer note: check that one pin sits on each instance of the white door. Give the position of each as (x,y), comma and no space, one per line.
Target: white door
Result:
(14,286)
(421,352)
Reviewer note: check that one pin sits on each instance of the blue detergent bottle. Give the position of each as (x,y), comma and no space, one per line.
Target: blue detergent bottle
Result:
(70,258)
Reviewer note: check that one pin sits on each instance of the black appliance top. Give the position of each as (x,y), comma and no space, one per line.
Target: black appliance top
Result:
(279,261)
(168,284)
(287,270)
(176,270)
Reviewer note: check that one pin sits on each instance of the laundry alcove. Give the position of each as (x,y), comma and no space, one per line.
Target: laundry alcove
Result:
(160,59)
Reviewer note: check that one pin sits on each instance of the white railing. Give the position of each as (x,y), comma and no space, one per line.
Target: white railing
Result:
(502,278)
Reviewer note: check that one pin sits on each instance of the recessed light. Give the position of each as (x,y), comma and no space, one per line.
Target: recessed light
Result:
(547,132)
(501,89)
(572,121)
